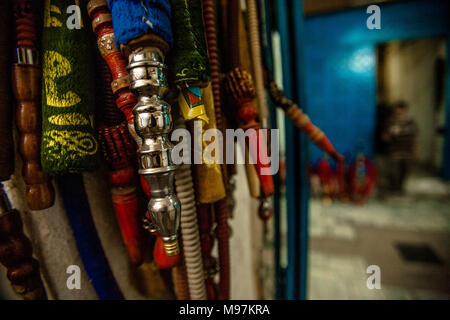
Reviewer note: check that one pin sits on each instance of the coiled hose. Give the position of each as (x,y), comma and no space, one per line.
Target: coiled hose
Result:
(184,187)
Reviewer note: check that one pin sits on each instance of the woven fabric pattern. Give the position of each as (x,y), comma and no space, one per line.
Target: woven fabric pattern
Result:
(134,18)
(69,144)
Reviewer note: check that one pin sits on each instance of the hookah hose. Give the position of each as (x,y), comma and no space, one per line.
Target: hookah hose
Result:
(144,35)
(190,72)
(6,137)
(255,46)
(26,84)
(207,240)
(89,246)
(220,207)
(68,136)
(189,231)
(300,119)
(102,25)
(191,68)
(69,145)
(16,253)
(179,277)
(240,85)
(120,85)
(15,248)
(119,151)
(221,217)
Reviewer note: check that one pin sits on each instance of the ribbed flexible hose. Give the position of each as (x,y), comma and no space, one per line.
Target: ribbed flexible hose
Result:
(189,232)
(255,46)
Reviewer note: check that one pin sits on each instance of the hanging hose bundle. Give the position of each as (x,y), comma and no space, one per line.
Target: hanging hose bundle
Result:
(16,253)
(240,86)
(119,151)
(15,248)
(220,207)
(26,83)
(69,145)
(143,34)
(190,70)
(89,246)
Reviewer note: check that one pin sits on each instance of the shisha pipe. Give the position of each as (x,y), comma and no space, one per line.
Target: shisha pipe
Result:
(15,247)
(300,119)
(26,83)
(133,25)
(255,46)
(16,253)
(189,230)
(221,208)
(240,85)
(102,26)
(209,262)
(119,151)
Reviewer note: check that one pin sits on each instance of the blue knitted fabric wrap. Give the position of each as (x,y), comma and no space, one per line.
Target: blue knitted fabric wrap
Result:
(134,18)
(95,263)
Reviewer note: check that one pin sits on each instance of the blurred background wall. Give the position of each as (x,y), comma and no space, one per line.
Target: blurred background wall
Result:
(341,59)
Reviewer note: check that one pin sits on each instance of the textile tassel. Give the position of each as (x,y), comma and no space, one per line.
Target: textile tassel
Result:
(26,84)
(119,151)
(6,137)
(144,35)
(16,253)
(68,137)
(89,246)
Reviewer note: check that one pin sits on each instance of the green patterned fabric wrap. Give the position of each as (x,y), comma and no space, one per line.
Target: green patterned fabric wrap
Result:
(189,59)
(69,144)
